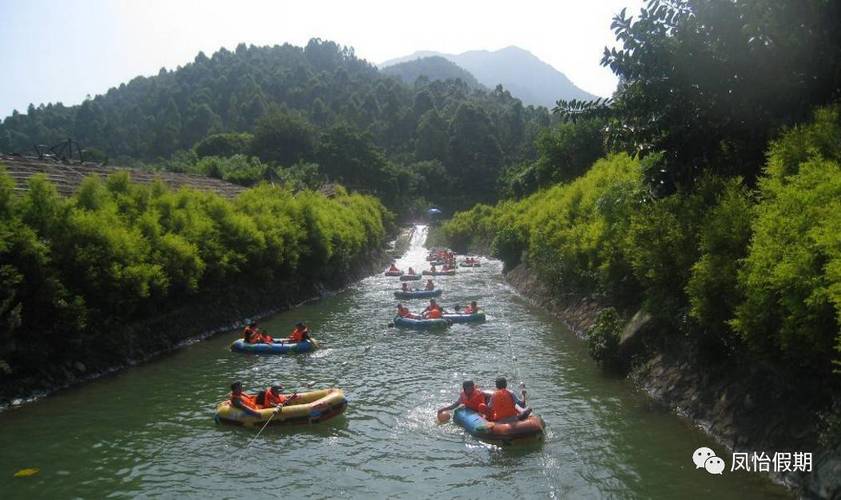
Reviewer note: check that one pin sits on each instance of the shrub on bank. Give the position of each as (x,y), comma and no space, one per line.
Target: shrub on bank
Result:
(748,269)
(74,270)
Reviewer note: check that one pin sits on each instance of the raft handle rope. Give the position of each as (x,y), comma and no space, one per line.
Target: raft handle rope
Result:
(277,411)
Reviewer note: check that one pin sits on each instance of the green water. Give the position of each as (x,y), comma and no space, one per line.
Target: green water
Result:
(149,431)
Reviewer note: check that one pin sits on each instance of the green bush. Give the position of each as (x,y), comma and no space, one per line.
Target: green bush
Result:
(509,244)
(792,274)
(603,338)
(117,252)
(713,289)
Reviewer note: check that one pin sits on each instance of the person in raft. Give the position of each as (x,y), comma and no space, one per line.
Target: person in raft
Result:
(393,268)
(432,268)
(404,312)
(300,333)
(254,335)
(274,397)
(405,287)
(473,308)
(411,271)
(503,406)
(471,397)
(243,401)
(430,285)
(432,311)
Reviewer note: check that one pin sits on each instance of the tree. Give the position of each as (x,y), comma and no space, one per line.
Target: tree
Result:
(707,84)
(228,144)
(431,137)
(283,137)
(474,155)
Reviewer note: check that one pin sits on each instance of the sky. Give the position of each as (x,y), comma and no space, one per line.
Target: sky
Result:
(64,50)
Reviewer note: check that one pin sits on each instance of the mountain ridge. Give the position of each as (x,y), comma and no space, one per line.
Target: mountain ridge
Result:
(525,75)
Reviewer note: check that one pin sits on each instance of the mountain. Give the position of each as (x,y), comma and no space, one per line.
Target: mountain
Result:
(518,70)
(434,68)
(318,104)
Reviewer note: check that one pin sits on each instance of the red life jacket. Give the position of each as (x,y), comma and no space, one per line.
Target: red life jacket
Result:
(475,402)
(502,405)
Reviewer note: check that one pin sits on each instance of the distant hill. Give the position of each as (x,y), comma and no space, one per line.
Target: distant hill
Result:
(518,70)
(434,68)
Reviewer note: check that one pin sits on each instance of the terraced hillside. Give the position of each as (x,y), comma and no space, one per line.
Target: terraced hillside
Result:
(68,177)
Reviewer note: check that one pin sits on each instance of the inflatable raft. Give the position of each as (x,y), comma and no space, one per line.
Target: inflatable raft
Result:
(279,346)
(479,317)
(451,272)
(410,277)
(421,324)
(470,264)
(393,273)
(436,262)
(307,408)
(475,424)
(417,294)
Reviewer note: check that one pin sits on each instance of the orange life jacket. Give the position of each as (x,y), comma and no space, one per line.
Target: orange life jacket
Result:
(434,313)
(475,402)
(266,338)
(502,405)
(245,399)
(298,335)
(252,336)
(272,400)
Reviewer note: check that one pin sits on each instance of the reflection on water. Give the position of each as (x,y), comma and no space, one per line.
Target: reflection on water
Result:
(149,431)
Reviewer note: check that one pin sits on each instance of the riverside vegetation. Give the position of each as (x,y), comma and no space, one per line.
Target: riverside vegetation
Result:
(74,271)
(747,269)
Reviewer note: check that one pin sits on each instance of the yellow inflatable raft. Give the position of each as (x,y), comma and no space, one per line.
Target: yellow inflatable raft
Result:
(307,408)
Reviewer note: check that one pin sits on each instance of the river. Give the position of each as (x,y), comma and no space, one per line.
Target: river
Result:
(149,431)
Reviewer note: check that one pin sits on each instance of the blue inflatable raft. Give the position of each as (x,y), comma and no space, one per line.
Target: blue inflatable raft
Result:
(479,317)
(476,425)
(421,324)
(276,347)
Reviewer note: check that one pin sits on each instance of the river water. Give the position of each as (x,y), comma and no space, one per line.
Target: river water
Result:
(149,431)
